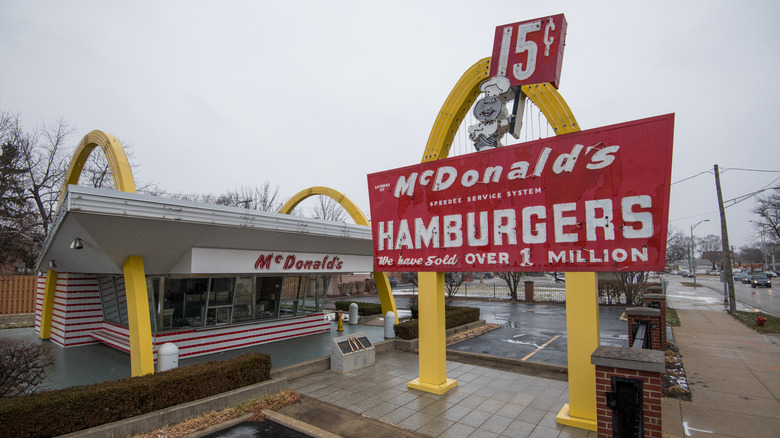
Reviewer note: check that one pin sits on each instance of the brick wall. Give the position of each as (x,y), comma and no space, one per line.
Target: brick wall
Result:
(639,314)
(641,365)
(658,301)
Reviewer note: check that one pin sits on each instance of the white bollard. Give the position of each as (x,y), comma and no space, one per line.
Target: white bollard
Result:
(167,357)
(389,323)
(353,314)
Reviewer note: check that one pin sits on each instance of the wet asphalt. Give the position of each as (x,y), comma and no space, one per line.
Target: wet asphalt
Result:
(528,331)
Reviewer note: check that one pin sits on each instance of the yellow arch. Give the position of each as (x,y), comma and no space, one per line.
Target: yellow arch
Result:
(354,212)
(140,328)
(115,155)
(581,288)
(380,278)
(465,93)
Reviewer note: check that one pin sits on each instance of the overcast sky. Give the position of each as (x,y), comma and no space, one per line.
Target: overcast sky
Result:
(215,95)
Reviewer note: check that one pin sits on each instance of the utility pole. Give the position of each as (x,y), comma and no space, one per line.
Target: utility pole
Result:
(724,238)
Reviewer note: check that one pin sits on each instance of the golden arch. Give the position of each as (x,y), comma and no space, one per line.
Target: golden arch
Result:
(115,155)
(465,93)
(581,288)
(140,328)
(380,278)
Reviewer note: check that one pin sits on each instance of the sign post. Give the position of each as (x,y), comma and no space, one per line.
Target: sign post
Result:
(581,202)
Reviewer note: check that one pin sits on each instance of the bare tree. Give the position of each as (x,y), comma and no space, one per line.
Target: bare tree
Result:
(329,210)
(264,197)
(23,367)
(709,243)
(677,246)
(409,277)
(452,282)
(45,154)
(767,209)
(512,280)
(33,168)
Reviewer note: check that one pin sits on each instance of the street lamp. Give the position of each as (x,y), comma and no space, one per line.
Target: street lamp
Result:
(693,255)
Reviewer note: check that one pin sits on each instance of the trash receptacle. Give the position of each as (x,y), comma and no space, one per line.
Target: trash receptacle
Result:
(167,357)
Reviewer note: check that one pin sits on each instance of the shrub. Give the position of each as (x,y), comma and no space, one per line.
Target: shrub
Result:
(454,317)
(72,409)
(363,308)
(23,367)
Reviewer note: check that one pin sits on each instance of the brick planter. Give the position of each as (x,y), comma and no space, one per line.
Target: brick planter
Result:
(628,366)
(640,314)
(658,301)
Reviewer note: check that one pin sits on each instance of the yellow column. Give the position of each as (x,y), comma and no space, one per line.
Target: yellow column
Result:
(140,327)
(582,332)
(433,339)
(385,294)
(47,307)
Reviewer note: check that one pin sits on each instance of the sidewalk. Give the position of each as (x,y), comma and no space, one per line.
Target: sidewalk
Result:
(733,372)
(486,402)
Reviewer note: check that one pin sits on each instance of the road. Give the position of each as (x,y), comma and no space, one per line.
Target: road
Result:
(764,299)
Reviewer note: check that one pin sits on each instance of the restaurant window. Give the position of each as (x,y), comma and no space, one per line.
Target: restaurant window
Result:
(220,303)
(244,300)
(268,293)
(184,302)
(113,299)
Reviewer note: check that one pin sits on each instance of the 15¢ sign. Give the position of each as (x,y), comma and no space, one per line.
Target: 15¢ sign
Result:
(530,52)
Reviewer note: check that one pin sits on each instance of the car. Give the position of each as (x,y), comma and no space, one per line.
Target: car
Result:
(770,274)
(688,275)
(714,271)
(741,276)
(746,280)
(759,280)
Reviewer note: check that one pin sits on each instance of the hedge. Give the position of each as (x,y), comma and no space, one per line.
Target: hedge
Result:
(363,308)
(454,317)
(58,412)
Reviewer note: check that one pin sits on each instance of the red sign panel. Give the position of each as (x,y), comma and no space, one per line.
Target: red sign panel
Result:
(594,200)
(530,52)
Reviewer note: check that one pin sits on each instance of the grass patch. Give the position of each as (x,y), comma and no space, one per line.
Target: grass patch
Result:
(772,324)
(671,317)
(690,284)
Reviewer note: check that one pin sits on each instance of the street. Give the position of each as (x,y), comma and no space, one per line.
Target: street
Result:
(761,298)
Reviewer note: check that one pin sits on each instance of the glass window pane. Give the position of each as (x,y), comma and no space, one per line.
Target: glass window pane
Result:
(185,302)
(243,309)
(268,292)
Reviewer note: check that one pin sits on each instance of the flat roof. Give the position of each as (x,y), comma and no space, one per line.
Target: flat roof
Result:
(114,225)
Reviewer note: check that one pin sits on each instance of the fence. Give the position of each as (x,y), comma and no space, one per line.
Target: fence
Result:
(545,290)
(17,294)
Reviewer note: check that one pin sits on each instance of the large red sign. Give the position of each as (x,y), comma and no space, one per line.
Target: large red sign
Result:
(530,52)
(594,200)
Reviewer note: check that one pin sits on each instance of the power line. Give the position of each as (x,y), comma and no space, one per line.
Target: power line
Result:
(750,170)
(691,177)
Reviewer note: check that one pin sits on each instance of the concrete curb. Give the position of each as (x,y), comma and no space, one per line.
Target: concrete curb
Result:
(221,426)
(298,426)
(175,414)
(557,372)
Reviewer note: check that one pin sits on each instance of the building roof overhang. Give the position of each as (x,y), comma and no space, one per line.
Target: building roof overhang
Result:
(113,226)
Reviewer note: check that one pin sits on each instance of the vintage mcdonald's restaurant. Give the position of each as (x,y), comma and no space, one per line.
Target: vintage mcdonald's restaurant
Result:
(135,271)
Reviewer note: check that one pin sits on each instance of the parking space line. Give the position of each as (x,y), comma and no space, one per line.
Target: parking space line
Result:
(539,348)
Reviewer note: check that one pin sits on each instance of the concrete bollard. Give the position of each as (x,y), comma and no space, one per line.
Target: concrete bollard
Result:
(389,323)
(167,357)
(353,314)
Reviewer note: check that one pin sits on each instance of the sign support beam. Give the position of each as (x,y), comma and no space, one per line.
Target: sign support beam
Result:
(433,339)
(583,338)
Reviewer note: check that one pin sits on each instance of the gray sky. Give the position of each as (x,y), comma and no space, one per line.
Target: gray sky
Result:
(215,95)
